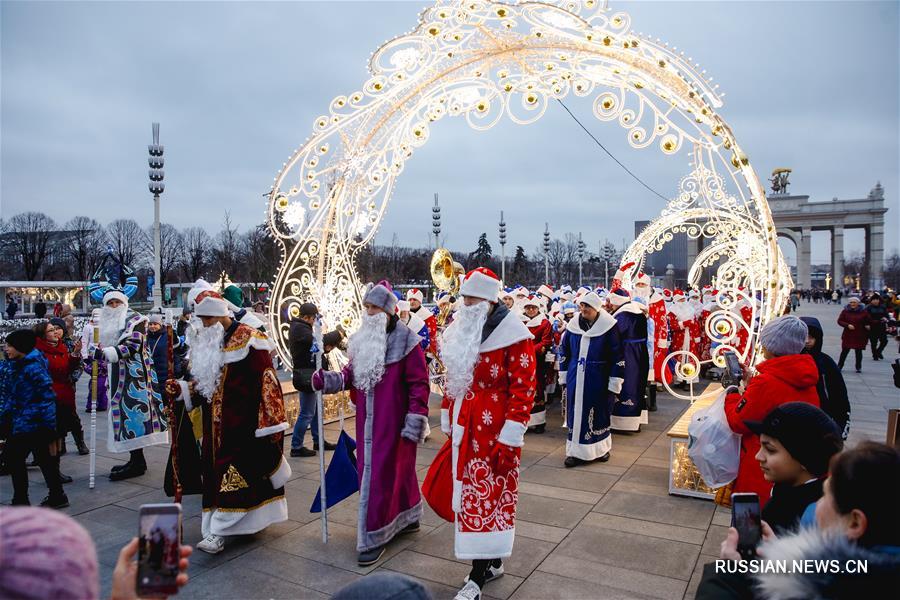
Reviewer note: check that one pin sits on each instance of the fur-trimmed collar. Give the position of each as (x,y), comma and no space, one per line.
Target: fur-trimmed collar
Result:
(239,343)
(423,313)
(813,544)
(509,331)
(400,342)
(537,320)
(635,308)
(132,320)
(604,323)
(415,323)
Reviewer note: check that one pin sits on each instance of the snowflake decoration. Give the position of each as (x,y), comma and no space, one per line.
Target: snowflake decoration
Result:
(495,371)
(487,418)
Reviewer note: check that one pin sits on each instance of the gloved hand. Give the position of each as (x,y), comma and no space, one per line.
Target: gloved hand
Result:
(318,380)
(96,352)
(503,459)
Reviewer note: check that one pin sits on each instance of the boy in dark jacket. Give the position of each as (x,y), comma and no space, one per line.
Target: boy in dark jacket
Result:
(797,440)
(831,387)
(28,417)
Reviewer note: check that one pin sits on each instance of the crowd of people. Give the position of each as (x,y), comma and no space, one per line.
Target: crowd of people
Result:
(501,357)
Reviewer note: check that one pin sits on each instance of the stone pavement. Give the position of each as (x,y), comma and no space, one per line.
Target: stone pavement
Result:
(600,531)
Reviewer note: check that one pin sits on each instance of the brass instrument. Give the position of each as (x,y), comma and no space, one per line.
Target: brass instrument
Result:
(445,274)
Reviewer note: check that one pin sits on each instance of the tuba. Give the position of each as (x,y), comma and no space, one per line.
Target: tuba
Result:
(445,273)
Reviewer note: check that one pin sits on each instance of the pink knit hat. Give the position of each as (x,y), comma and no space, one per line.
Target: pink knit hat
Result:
(45,554)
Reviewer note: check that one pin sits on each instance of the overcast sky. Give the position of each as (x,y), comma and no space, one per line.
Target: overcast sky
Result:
(236,86)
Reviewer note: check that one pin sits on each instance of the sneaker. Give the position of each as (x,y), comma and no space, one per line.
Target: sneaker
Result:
(470,591)
(212,544)
(302,452)
(491,574)
(55,501)
(370,557)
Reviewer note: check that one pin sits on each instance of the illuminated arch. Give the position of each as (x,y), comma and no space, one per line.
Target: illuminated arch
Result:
(484,60)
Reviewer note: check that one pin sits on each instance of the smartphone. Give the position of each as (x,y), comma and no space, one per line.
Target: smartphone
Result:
(734,370)
(159,550)
(745,518)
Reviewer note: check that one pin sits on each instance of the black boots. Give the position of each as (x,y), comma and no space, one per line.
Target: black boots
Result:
(79,442)
(651,398)
(135,467)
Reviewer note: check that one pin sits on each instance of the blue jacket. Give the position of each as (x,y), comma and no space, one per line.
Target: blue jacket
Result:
(157,343)
(27,401)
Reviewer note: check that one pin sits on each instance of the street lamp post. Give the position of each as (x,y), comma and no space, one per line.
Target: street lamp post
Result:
(546,253)
(436,222)
(502,248)
(156,188)
(580,258)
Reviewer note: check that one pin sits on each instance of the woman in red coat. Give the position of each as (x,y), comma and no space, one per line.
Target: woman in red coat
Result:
(785,376)
(63,365)
(855,321)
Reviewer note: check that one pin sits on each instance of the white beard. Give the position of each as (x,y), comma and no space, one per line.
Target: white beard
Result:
(461,347)
(207,357)
(682,311)
(366,349)
(112,323)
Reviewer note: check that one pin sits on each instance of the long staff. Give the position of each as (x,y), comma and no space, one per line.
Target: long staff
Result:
(320,410)
(174,420)
(95,377)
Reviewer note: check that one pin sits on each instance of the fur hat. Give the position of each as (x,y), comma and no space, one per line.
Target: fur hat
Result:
(592,300)
(545,291)
(403,306)
(618,297)
(784,335)
(115,294)
(210,303)
(483,283)
(200,285)
(415,294)
(642,279)
(531,300)
(381,295)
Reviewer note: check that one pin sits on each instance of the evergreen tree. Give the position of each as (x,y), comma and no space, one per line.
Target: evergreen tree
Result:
(483,253)
(520,265)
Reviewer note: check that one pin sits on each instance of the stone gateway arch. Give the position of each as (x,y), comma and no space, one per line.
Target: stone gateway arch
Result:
(485,61)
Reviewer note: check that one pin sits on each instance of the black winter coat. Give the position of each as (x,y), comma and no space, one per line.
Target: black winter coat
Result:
(831,387)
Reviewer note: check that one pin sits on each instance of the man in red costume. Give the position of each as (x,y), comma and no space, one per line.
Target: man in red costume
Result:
(542,333)
(415,299)
(489,356)
(683,325)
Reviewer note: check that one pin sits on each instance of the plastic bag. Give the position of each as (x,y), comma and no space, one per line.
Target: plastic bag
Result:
(713,446)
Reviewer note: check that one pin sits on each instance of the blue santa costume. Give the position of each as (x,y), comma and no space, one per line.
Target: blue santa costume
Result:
(629,407)
(590,356)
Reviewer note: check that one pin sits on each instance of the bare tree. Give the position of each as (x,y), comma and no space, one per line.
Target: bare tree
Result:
(891,271)
(196,253)
(226,250)
(84,247)
(171,249)
(260,256)
(28,237)
(130,243)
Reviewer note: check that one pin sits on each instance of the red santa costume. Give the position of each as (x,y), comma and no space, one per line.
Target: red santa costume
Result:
(709,305)
(659,331)
(542,333)
(744,308)
(489,356)
(415,299)
(682,324)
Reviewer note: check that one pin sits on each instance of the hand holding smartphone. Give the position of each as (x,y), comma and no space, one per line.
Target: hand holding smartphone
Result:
(745,517)
(159,550)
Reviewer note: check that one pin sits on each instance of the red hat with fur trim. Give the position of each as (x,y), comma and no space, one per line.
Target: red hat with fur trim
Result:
(481,283)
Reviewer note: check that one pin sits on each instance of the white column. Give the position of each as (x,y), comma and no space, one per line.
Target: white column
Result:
(837,256)
(804,258)
(875,256)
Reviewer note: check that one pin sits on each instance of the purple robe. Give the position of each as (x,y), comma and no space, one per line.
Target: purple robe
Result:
(390,422)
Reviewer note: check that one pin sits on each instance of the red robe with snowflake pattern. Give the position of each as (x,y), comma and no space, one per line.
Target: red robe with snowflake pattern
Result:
(658,313)
(495,410)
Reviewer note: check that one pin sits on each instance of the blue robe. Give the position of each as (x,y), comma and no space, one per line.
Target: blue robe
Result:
(591,360)
(629,409)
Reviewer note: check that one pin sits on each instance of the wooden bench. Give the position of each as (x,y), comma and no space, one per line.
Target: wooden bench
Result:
(684,479)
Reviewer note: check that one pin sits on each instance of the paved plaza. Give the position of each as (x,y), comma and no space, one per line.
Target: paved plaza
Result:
(606,530)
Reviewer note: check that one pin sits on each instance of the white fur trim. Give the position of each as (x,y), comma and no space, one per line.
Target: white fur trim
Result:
(244,523)
(264,431)
(624,423)
(456,503)
(471,545)
(537,320)
(588,451)
(250,319)
(662,343)
(415,293)
(111,354)
(115,295)
(615,385)
(211,307)
(604,323)
(415,323)
(512,434)
(537,418)
(632,307)
(185,395)
(591,299)
(510,331)
(445,421)
(281,474)
(457,434)
(258,341)
(479,285)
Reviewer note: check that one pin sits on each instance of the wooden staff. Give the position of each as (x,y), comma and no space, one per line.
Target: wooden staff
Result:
(95,378)
(320,409)
(173,420)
